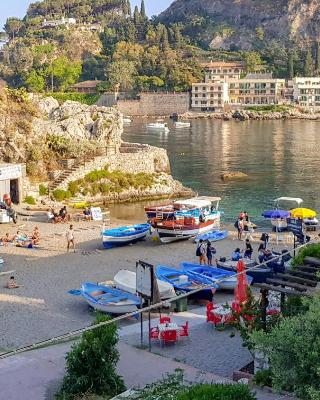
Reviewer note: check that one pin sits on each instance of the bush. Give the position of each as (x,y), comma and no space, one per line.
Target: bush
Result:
(60,194)
(84,98)
(30,200)
(73,188)
(43,191)
(263,378)
(293,349)
(312,250)
(217,392)
(91,364)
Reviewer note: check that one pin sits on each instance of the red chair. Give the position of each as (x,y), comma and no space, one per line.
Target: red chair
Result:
(211,317)
(154,333)
(165,320)
(168,336)
(184,329)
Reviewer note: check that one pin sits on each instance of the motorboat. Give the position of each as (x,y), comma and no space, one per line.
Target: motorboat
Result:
(224,279)
(127,120)
(161,126)
(213,236)
(186,283)
(126,280)
(192,217)
(160,212)
(259,274)
(182,124)
(107,299)
(124,235)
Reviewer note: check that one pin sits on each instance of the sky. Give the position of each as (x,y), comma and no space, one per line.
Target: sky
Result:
(17,8)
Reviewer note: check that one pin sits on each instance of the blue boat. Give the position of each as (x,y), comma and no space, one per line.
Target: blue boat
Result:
(186,283)
(124,235)
(213,236)
(216,275)
(107,299)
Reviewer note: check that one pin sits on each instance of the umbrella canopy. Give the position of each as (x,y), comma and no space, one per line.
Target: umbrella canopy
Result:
(303,213)
(240,292)
(276,214)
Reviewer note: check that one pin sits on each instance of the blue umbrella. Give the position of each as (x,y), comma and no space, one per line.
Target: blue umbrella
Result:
(276,214)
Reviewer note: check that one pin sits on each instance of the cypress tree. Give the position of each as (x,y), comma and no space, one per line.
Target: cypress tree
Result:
(143,10)
(318,57)
(136,16)
(290,70)
(308,64)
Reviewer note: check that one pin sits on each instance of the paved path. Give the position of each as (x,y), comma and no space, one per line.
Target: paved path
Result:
(36,375)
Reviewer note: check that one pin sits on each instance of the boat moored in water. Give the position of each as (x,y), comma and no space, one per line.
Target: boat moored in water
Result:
(182,124)
(158,125)
(124,235)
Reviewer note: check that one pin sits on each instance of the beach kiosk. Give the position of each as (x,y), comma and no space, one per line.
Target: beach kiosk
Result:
(11,177)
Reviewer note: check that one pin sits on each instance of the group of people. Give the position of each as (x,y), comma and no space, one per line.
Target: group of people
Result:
(21,239)
(243,224)
(205,251)
(247,252)
(61,216)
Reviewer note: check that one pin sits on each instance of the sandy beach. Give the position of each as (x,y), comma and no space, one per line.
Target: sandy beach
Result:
(42,308)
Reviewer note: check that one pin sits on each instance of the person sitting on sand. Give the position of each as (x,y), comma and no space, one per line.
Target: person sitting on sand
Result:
(87,214)
(35,238)
(20,237)
(236,255)
(11,284)
(6,239)
(63,214)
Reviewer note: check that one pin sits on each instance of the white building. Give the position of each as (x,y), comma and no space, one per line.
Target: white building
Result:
(222,71)
(11,181)
(58,22)
(209,96)
(306,91)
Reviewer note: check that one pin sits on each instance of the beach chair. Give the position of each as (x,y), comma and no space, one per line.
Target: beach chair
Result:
(168,337)
(154,333)
(184,330)
(165,320)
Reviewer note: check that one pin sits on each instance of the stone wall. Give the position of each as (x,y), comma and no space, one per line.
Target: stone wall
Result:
(133,158)
(155,104)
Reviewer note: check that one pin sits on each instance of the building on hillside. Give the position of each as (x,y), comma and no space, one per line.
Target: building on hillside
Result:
(91,27)
(222,71)
(209,96)
(306,91)
(256,91)
(58,22)
(88,87)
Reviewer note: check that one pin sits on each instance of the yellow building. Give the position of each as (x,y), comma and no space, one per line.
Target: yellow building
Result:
(222,71)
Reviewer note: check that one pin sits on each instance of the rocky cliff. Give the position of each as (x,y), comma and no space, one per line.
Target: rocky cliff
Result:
(240,23)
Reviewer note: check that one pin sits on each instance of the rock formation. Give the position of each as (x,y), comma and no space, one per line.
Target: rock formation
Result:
(227,176)
(234,23)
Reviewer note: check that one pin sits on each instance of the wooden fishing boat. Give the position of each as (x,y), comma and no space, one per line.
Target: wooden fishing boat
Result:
(259,273)
(213,236)
(124,235)
(107,299)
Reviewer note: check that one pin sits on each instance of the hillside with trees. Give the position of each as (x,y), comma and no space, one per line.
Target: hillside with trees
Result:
(107,41)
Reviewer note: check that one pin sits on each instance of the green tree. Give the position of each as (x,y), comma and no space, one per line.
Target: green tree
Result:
(143,10)
(35,82)
(91,364)
(318,58)
(252,60)
(121,74)
(149,82)
(136,16)
(308,64)
(13,26)
(290,65)
(64,72)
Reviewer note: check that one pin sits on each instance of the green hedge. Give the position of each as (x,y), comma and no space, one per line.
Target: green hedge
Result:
(268,108)
(84,98)
(312,250)
(217,392)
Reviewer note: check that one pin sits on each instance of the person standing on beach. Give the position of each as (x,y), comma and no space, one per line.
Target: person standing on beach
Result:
(201,252)
(70,239)
(239,226)
(210,252)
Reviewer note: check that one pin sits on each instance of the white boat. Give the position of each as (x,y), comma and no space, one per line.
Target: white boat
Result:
(127,120)
(161,126)
(181,124)
(126,281)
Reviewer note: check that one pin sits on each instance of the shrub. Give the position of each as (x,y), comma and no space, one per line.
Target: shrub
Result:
(312,250)
(293,349)
(263,378)
(43,191)
(59,194)
(217,392)
(91,364)
(30,200)
(84,98)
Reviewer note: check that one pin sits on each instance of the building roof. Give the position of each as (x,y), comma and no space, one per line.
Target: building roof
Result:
(217,64)
(86,84)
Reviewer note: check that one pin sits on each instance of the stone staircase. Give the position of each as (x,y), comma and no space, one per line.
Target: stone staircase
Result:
(66,173)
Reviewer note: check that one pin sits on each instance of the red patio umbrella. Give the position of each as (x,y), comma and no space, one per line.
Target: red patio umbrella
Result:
(240,292)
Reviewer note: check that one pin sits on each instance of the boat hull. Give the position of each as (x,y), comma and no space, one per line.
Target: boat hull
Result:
(173,232)
(125,235)
(112,309)
(259,274)
(212,236)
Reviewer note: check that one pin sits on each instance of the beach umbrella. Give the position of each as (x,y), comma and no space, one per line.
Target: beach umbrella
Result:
(303,213)
(240,291)
(276,214)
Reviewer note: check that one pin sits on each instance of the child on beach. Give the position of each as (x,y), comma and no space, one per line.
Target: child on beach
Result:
(70,239)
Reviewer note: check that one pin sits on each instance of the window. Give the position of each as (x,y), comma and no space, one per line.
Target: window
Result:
(219,95)
(232,85)
(203,88)
(211,102)
(196,102)
(204,95)
(212,88)
(225,71)
(219,88)
(273,85)
(203,102)
(196,95)
(317,98)
(196,88)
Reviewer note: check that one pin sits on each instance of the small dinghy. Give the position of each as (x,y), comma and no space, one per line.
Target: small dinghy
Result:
(124,235)
(213,236)
(107,299)
(186,283)
(126,280)
(214,274)
(181,124)
(259,273)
